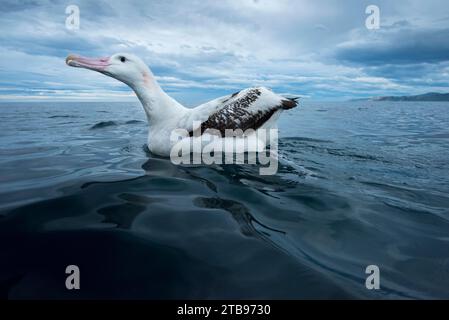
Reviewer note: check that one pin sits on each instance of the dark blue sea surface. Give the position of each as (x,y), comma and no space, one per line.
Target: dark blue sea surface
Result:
(359,183)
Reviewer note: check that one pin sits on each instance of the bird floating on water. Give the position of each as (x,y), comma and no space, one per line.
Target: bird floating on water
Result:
(253,108)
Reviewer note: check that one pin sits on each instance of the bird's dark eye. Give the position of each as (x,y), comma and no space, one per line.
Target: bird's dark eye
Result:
(122,59)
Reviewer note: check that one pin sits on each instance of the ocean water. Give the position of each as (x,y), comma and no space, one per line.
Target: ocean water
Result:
(359,183)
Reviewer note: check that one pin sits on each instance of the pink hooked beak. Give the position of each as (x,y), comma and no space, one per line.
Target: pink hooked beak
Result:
(98,64)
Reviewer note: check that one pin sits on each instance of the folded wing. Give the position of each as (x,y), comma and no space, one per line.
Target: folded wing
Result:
(246,109)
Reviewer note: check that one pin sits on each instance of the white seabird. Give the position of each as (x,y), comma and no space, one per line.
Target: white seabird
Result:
(253,108)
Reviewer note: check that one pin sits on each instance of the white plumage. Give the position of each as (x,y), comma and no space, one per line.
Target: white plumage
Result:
(252,108)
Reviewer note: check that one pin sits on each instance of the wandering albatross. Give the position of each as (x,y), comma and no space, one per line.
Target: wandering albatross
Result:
(253,108)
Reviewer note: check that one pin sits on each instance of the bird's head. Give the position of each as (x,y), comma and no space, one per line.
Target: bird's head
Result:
(122,66)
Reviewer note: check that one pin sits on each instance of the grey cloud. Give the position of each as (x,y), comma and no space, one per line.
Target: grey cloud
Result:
(397,46)
(204,48)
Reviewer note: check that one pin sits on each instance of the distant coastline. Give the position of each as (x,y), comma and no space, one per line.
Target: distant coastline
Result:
(431,96)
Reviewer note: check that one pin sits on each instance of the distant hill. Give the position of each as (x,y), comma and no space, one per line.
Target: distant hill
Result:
(431,96)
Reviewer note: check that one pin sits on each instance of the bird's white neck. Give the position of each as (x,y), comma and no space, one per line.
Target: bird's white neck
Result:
(157,104)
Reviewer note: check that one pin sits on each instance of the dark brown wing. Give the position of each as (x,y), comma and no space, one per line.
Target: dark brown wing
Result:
(248,109)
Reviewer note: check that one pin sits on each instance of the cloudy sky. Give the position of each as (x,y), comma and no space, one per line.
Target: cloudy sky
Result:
(199,50)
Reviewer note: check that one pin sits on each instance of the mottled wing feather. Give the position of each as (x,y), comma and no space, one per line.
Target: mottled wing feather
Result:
(238,111)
